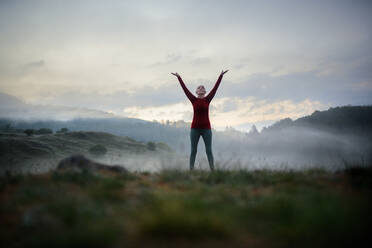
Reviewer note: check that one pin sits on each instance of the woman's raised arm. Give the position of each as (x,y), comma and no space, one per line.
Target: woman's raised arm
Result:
(187,92)
(211,94)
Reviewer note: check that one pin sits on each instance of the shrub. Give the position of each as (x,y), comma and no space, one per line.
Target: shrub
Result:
(29,132)
(151,146)
(98,150)
(164,146)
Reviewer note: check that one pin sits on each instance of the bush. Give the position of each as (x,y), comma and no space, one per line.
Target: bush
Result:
(29,132)
(151,146)
(98,150)
(164,146)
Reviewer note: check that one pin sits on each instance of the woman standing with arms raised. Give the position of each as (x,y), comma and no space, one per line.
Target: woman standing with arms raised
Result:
(200,125)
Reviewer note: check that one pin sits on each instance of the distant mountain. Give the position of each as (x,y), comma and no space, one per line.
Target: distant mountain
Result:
(13,108)
(357,119)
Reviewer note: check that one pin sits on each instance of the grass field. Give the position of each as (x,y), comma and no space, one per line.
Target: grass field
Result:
(172,208)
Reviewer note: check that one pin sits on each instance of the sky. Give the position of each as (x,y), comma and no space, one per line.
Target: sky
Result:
(285,58)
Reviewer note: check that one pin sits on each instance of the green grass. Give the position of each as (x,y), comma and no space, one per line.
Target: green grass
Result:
(263,208)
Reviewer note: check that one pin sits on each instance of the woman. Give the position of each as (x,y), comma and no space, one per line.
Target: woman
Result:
(200,125)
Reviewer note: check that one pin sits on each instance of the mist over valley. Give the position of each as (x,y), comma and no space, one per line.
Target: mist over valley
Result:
(329,139)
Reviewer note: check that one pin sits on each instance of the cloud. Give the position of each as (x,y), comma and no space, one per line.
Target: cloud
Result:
(13,108)
(255,110)
(336,89)
(35,64)
(331,90)
(169,59)
(190,58)
(178,111)
(28,69)
(200,60)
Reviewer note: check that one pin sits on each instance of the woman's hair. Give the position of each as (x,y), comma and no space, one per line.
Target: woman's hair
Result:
(197,88)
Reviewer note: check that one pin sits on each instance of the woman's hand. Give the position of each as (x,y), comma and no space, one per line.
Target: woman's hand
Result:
(223,72)
(176,74)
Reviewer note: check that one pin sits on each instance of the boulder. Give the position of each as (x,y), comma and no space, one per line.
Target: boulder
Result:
(80,162)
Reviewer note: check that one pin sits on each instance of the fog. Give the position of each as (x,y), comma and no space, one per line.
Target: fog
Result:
(132,162)
(294,148)
(294,145)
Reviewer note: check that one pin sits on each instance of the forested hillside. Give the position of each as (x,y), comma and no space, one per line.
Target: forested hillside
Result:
(356,119)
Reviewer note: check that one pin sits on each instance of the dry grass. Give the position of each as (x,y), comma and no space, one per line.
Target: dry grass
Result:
(173,208)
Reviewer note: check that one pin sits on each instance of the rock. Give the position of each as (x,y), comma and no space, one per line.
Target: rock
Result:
(78,161)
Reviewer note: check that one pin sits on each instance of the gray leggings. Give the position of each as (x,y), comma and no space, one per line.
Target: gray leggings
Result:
(195,134)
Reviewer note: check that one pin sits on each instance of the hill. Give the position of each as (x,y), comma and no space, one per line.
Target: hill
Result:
(352,119)
(137,129)
(38,153)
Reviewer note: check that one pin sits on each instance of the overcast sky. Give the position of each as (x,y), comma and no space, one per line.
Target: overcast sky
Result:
(286,58)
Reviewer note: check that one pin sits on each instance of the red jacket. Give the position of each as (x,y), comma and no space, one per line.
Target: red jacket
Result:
(200,105)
